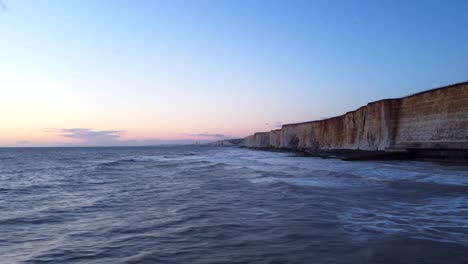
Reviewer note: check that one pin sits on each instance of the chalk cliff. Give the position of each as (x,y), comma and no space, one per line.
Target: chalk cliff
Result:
(433,119)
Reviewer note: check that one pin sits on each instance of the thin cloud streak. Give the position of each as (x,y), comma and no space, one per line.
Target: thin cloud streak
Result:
(274,125)
(89,134)
(3,6)
(23,142)
(210,136)
(92,137)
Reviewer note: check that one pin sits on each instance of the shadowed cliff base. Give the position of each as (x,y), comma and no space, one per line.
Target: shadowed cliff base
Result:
(432,124)
(440,156)
(345,154)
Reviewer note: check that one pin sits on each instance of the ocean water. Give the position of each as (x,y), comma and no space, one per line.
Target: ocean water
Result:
(226,205)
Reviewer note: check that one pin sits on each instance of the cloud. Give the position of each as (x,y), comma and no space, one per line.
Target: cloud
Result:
(210,136)
(23,142)
(90,135)
(156,142)
(3,6)
(274,125)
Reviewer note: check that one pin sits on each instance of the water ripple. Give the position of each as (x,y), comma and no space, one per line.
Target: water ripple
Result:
(226,205)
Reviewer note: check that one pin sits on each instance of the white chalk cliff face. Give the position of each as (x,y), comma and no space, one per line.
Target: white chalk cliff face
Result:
(434,119)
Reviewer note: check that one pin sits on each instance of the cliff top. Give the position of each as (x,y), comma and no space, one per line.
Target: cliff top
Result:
(456,85)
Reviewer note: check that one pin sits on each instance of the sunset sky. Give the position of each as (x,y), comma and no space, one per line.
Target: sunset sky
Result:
(89,72)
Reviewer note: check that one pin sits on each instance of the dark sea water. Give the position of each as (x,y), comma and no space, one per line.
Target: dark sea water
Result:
(226,205)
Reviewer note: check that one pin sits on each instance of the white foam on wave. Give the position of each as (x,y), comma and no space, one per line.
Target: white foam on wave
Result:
(443,219)
(371,172)
(300,182)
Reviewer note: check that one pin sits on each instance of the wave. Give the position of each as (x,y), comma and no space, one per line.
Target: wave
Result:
(427,219)
(218,205)
(428,188)
(315,178)
(33,219)
(117,162)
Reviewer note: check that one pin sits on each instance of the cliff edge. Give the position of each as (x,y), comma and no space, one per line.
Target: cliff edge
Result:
(436,119)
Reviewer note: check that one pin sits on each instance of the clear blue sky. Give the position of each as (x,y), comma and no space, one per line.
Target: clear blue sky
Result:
(143,71)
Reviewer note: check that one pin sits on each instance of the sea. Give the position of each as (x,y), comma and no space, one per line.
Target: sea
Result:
(201,204)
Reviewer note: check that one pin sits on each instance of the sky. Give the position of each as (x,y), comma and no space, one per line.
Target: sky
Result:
(135,72)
